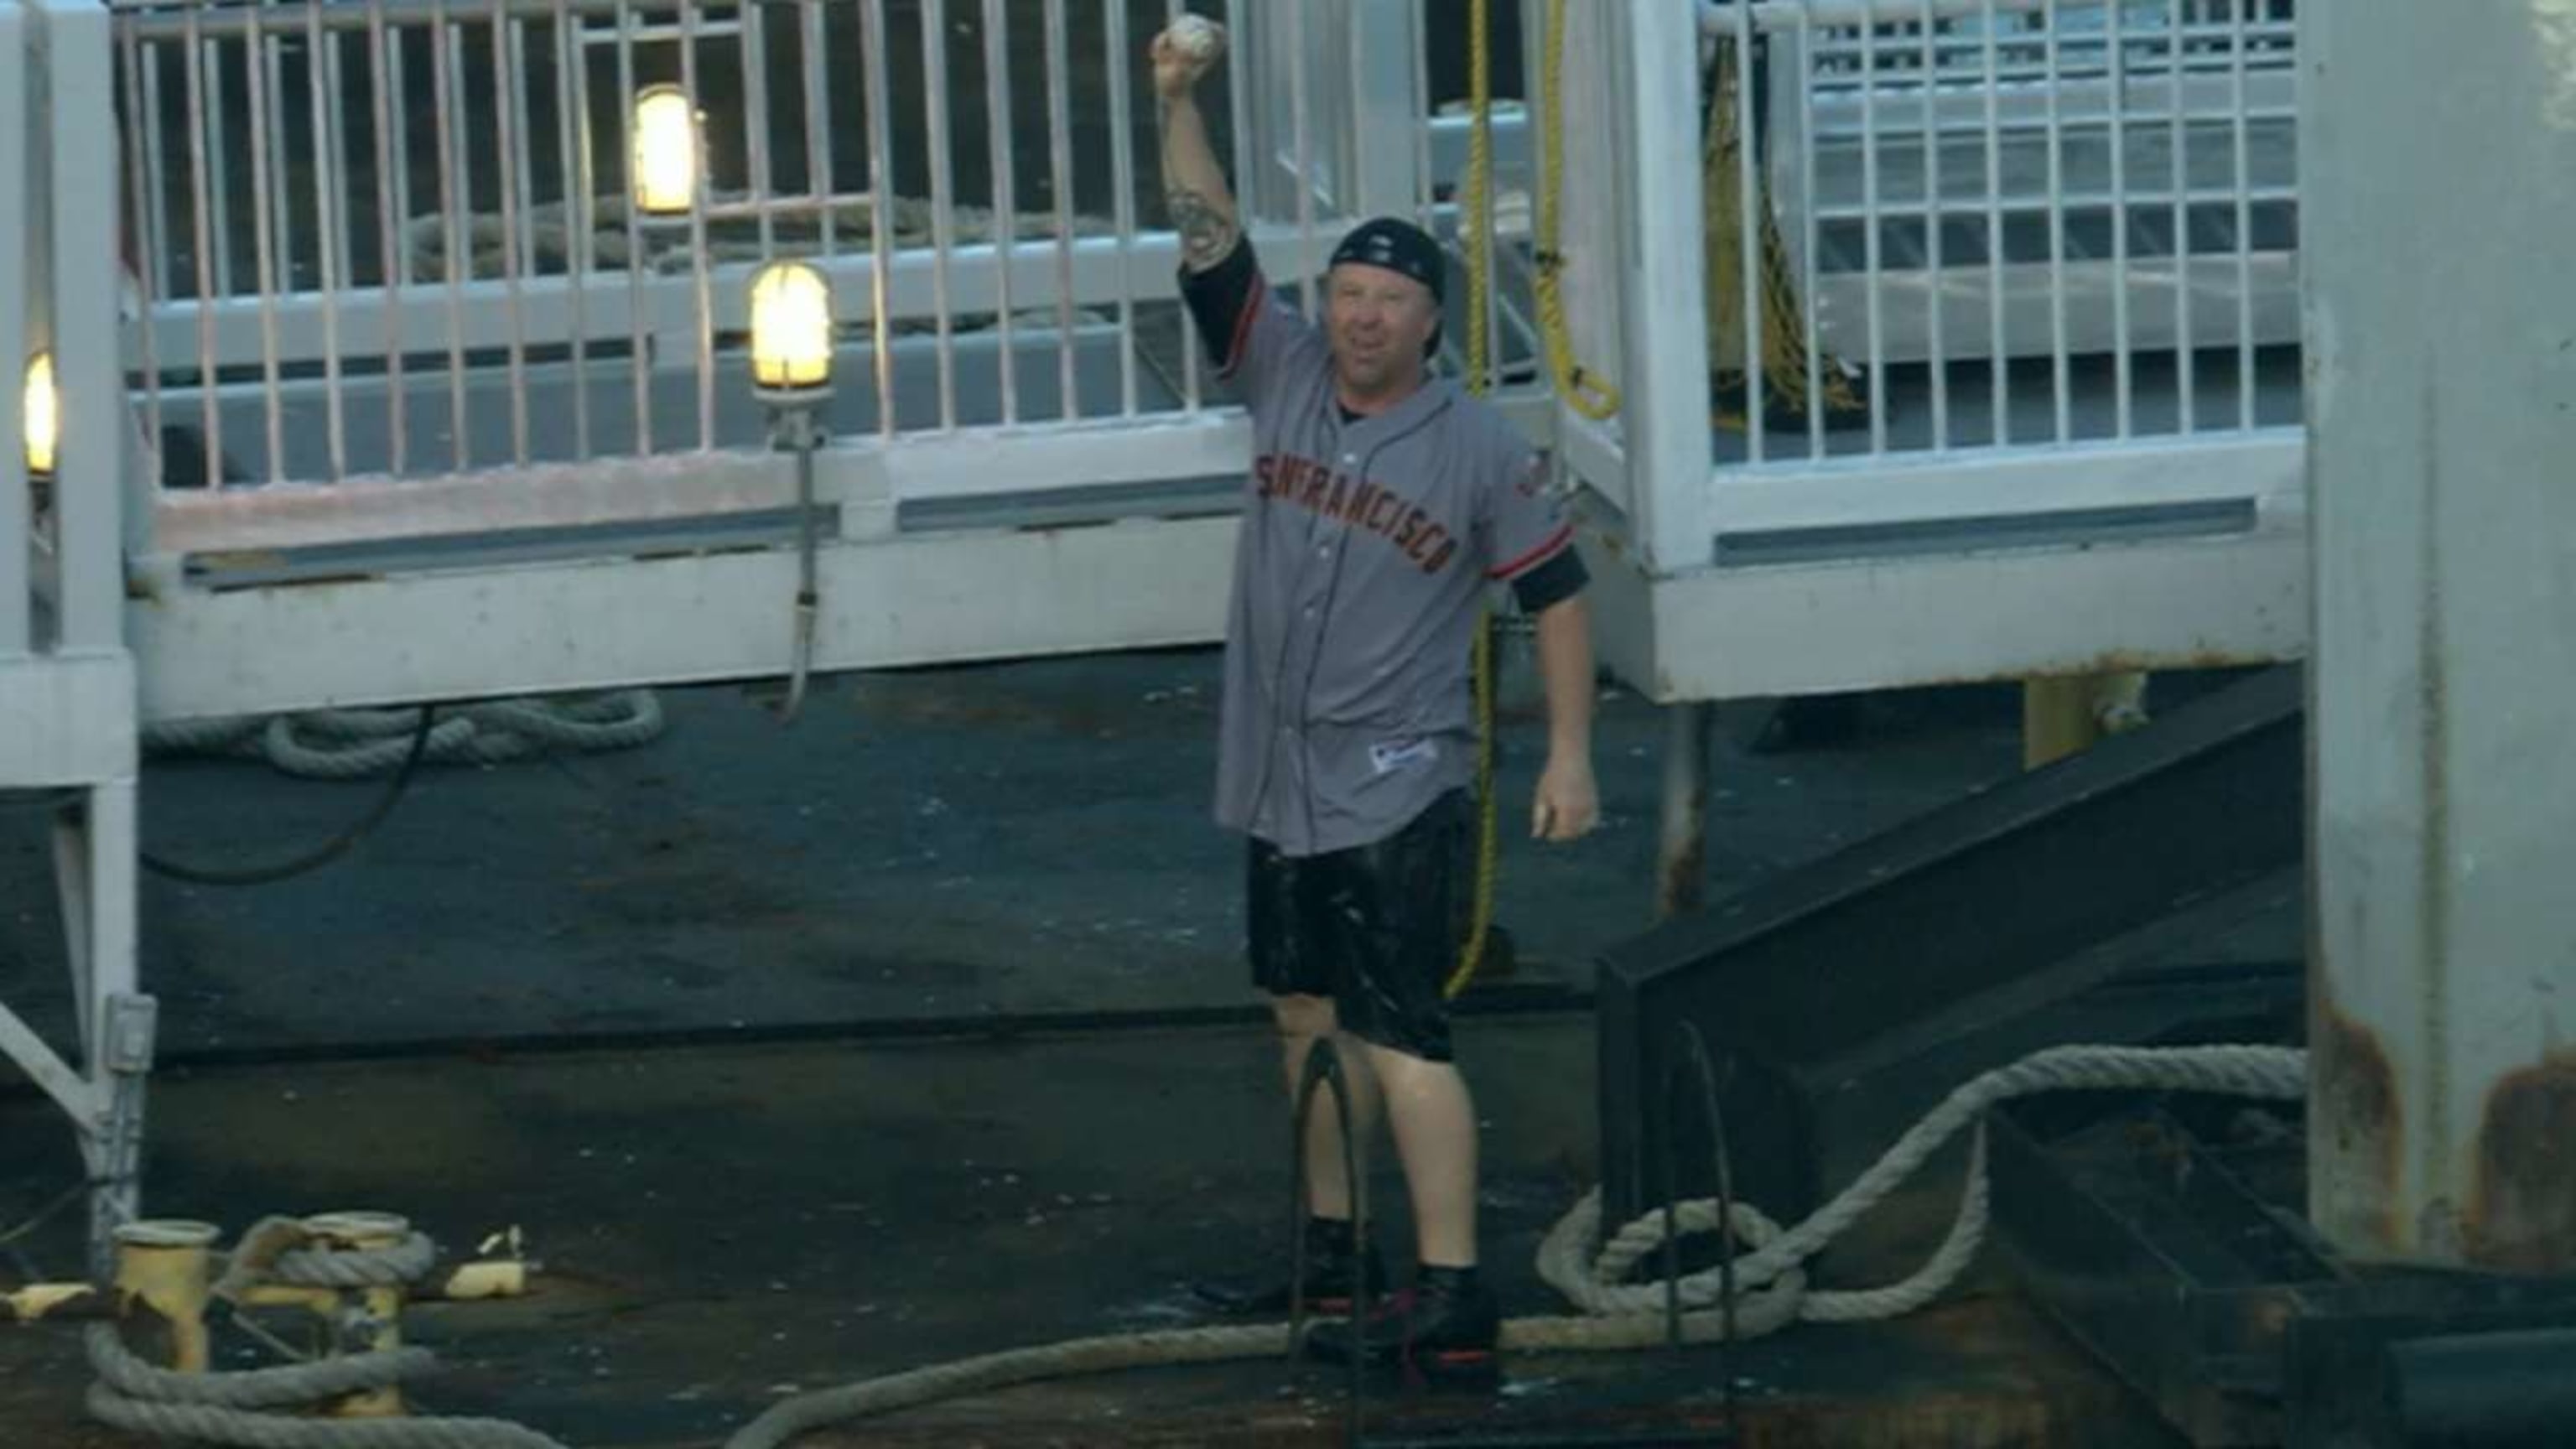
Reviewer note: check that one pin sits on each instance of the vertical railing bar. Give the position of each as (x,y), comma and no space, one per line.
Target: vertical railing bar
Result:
(704,283)
(143,169)
(256,56)
(531,255)
(572,159)
(818,125)
(585,139)
(1422,183)
(328,210)
(1998,357)
(2059,380)
(1193,391)
(507,135)
(943,202)
(1302,141)
(1248,130)
(279,194)
(454,40)
(211,118)
(1059,65)
(2244,220)
(2178,165)
(1872,247)
(397,44)
(878,71)
(639,336)
(1936,297)
(157,192)
(752,49)
(207,278)
(1489,221)
(1122,195)
(1346,118)
(1815,234)
(446,112)
(818,122)
(2122,367)
(335,69)
(394,245)
(1749,212)
(1005,196)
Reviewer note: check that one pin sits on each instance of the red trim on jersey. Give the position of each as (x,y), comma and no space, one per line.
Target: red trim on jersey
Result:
(1252,301)
(1554,545)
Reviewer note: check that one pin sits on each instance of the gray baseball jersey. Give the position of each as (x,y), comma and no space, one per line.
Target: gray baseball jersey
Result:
(1367,546)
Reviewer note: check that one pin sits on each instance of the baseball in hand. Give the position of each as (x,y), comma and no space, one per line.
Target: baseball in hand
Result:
(1198,38)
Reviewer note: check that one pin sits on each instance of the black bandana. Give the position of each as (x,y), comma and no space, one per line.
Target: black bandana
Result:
(1398,246)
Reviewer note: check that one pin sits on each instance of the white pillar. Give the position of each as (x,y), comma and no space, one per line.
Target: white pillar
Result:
(2437,147)
(1664,378)
(97,427)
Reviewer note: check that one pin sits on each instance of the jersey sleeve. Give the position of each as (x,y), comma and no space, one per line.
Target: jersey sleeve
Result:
(1254,337)
(1530,539)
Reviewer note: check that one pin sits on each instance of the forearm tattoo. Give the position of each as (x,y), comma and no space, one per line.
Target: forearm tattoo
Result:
(1207,234)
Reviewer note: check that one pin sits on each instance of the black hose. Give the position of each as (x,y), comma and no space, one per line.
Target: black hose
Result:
(323,854)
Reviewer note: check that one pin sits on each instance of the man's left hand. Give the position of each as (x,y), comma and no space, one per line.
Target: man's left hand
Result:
(1568,803)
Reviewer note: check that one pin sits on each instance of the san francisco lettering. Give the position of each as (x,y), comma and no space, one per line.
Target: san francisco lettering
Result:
(1357,504)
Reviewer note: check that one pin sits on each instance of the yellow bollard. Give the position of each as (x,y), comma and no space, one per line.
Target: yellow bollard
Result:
(381,1304)
(163,1264)
(2064,715)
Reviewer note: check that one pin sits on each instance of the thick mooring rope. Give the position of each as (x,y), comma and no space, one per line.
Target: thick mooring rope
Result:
(350,744)
(1771,1286)
(249,1409)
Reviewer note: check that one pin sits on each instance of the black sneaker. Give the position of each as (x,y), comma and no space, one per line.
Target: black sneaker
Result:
(1338,1278)
(1443,1327)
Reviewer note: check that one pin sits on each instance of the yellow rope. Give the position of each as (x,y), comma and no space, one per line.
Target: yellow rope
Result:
(1580,388)
(1725,152)
(1585,391)
(1480,281)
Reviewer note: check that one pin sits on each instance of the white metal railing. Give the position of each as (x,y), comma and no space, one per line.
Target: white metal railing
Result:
(2018,259)
(395,240)
(2027,221)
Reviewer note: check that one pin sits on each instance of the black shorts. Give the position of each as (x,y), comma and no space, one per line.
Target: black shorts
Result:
(1378,928)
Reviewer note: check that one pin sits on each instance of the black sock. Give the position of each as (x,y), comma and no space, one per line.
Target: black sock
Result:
(1453,1280)
(1330,1235)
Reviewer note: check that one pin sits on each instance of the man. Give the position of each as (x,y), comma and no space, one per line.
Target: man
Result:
(1382,504)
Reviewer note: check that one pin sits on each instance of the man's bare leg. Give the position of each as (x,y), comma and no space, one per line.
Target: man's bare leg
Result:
(1434,1118)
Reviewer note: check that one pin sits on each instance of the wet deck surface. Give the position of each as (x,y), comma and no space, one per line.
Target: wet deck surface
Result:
(765,1038)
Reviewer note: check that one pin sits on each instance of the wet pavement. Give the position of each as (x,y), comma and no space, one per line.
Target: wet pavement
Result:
(933,845)
(916,1030)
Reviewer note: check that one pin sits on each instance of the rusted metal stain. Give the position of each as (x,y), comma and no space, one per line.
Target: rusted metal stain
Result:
(2353,1116)
(1682,856)
(2522,1211)
(1681,879)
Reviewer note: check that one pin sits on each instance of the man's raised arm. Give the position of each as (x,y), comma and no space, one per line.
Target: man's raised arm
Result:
(1194,185)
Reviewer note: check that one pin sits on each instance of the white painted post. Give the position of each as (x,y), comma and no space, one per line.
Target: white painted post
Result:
(15,235)
(76,141)
(1664,383)
(90,476)
(2441,338)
